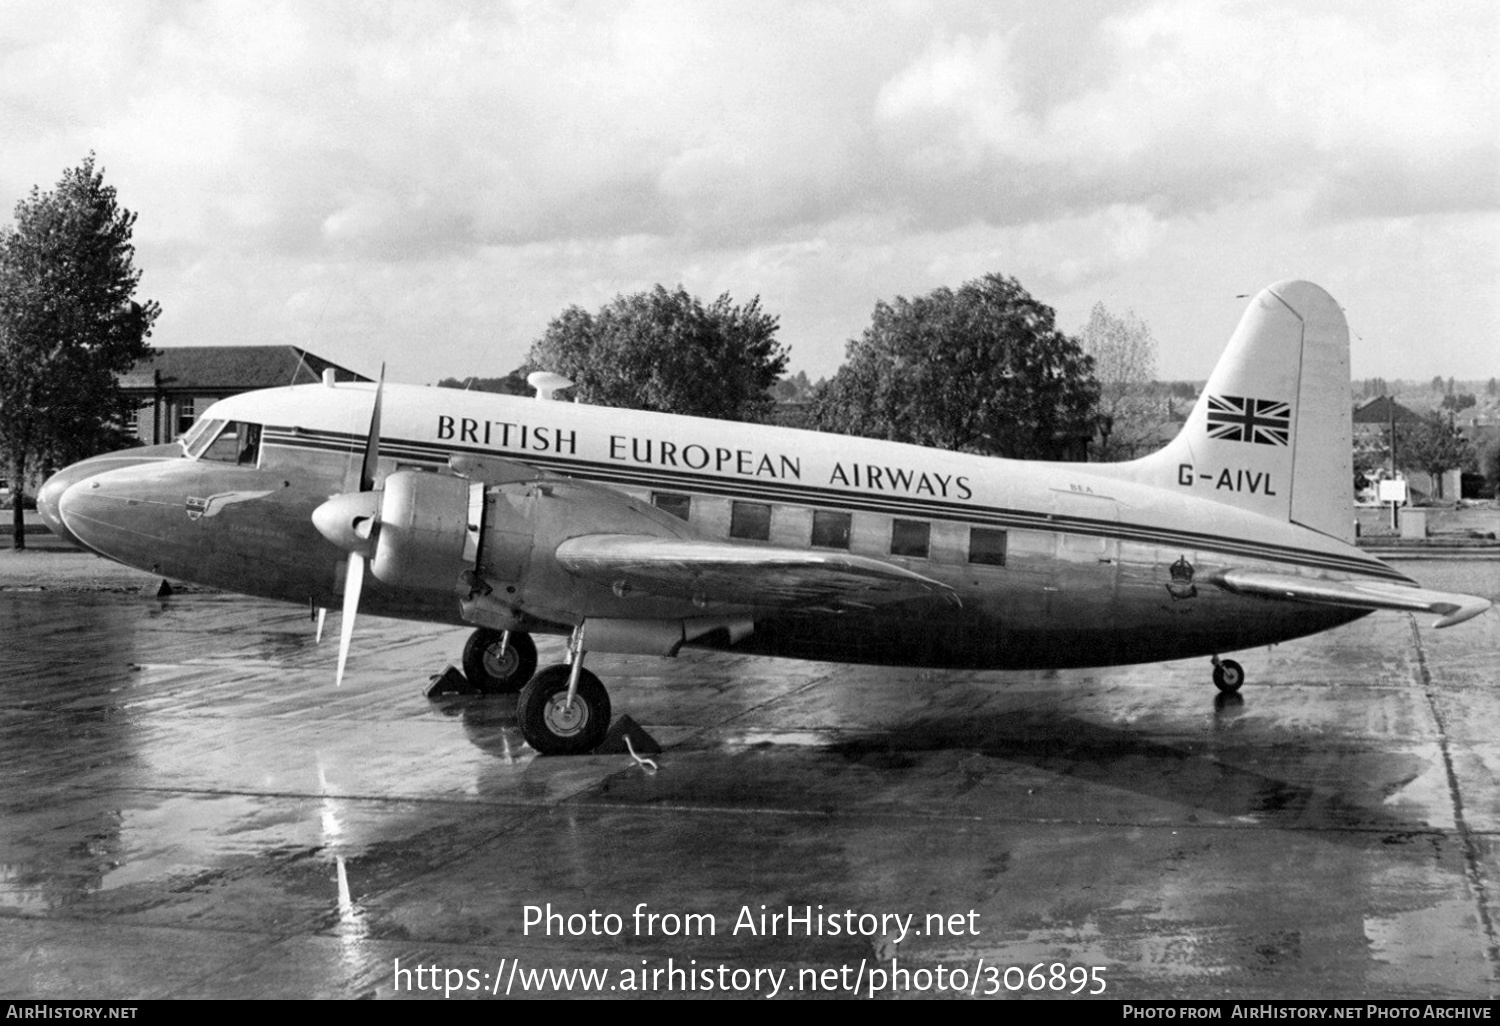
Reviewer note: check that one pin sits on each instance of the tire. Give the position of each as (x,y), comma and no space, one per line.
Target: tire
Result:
(545,725)
(1228,676)
(493,670)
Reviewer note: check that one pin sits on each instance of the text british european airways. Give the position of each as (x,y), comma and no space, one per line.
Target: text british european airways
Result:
(718,459)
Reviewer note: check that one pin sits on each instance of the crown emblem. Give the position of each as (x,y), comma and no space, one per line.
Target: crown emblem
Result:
(1181,586)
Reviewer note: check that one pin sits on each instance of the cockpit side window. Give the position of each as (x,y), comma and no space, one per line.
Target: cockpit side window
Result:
(239,443)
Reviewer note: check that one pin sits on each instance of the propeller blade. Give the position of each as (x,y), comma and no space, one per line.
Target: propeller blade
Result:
(354,579)
(372,442)
(322,619)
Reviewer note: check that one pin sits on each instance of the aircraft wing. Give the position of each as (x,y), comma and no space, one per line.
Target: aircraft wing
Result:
(750,575)
(1451,608)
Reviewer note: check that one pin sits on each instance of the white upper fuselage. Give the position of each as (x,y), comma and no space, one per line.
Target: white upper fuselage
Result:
(787,468)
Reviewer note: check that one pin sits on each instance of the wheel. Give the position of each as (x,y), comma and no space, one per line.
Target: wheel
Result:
(549,726)
(1228,676)
(495,668)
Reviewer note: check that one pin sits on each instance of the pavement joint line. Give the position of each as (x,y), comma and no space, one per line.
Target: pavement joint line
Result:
(1472,860)
(847,813)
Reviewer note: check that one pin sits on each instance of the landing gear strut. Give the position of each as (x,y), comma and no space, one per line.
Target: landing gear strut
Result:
(565,709)
(499,662)
(1228,675)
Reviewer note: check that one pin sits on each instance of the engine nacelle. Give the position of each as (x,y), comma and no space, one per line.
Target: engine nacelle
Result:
(429,530)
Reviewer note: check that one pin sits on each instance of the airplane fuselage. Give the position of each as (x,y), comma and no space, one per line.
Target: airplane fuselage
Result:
(1054,564)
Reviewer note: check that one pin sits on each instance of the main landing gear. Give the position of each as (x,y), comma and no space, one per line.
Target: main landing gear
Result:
(499,662)
(1228,675)
(563,710)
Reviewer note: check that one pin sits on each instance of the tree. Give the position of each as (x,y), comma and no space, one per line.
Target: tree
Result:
(666,351)
(1124,353)
(794,388)
(68,324)
(1434,445)
(1489,465)
(979,370)
(513,383)
(1459,401)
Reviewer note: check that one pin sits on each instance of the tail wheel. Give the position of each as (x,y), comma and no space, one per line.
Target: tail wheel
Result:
(496,667)
(553,727)
(1228,676)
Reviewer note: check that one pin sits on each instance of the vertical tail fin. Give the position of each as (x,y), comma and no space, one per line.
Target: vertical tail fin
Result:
(1272,431)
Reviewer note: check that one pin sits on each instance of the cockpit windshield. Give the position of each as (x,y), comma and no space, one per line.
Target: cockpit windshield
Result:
(238,442)
(198,435)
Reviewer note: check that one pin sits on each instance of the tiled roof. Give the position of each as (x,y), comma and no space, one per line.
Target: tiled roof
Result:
(214,368)
(1378,411)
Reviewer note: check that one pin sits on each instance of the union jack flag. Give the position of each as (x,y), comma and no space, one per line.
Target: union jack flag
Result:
(1262,421)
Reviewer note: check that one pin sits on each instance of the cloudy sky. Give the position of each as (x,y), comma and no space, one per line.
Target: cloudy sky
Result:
(428,184)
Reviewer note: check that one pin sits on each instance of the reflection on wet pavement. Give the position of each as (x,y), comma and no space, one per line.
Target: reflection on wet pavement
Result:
(192,809)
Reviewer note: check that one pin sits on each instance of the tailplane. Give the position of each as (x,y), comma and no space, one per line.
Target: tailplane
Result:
(1272,431)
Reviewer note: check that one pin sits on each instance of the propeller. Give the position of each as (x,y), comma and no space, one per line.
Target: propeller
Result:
(354,579)
(351,520)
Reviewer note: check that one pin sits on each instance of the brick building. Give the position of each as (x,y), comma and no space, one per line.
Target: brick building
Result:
(180,382)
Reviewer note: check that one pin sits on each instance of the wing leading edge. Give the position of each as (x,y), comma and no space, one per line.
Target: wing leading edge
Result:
(1451,608)
(747,575)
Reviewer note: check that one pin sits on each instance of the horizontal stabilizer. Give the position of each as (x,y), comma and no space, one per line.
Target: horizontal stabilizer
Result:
(743,575)
(1451,608)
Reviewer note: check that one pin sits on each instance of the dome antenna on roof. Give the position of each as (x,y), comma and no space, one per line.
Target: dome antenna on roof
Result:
(547,384)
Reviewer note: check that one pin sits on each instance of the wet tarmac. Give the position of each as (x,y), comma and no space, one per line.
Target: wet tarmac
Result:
(191,809)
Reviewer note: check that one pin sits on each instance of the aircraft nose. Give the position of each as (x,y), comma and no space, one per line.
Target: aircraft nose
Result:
(51,502)
(47,500)
(112,514)
(74,508)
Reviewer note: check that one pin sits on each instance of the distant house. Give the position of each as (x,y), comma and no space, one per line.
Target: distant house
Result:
(1374,417)
(1372,424)
(180,382)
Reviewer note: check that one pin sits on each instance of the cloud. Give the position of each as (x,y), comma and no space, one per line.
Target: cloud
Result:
(475,167)
(1206,106)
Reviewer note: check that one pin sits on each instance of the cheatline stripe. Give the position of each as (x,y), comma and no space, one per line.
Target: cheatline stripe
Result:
(813,495)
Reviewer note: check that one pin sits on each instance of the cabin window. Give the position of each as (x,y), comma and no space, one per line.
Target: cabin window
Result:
(675,503)
(750,520)
(1083,547)
(237,443)
(987,546)
(911,538)
(830,530)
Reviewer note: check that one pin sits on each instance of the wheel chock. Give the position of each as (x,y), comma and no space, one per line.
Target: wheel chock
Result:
(160,589)
(450,682)
(623,727)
